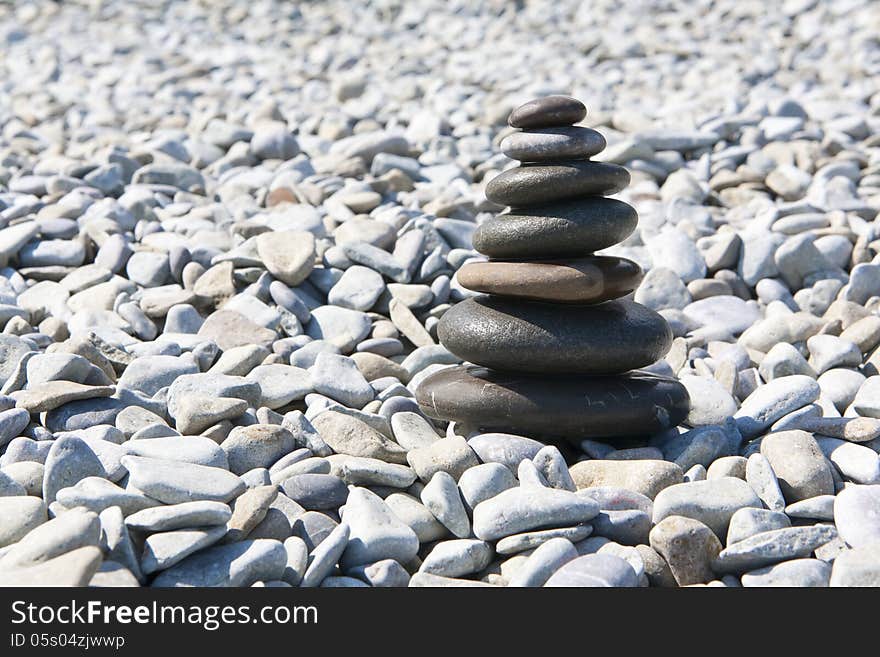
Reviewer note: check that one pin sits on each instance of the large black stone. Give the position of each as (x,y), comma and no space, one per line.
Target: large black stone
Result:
(556,230)
(574,407)
(528,336)
(534,184)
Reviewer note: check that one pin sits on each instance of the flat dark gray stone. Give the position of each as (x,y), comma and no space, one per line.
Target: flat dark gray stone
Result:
(555,230)
(533,184)
(545,144)
(547,111)
(533,337)
(576,407)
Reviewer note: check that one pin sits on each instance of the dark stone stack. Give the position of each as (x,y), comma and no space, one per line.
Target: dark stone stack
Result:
(555,346)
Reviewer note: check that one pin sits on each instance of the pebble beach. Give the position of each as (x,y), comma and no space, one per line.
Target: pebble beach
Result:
(245,253)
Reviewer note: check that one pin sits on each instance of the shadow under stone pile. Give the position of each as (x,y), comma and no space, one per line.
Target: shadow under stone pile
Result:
(554,345)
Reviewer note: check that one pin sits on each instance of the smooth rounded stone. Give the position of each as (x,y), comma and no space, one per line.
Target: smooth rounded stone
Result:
(346,434)
(519,510)
(820,507)
(164,549)
(412,431)
(250,509)
(858,567)
(20,515)
(239,361)
(688,546)
(97,494)
(256,446)
(576,406)
(385,573)
(231,565)
(310,526)
(546,559)
(864,332)
(554,110)
(784,360)
(507,449)
(594,570)
(76,568)
(537,184)
(70,459)
(341,327)
(12,348)
(148,269)
(772,547)
(761,477)
(794,573)
(799,464)
(710,402)
(377,233)
(482,482)
(28,474)
(359,471)
(315,492)
(442,498)
(191,449)
(451,455)
(727,466)
(866,402)
(661,289)
(357,289)
(179,516)
(771,330)
(856,463)
(553,143)
(857,515)
(326,556)
(627,527)
(339,378)
(297,560)
(748,521)
(840,386)
(408,324)
(52,394)
(12,422)
(530,540)
(457,558)
(230,329)
(712,502)
(646,477)
(289,255)
(281,384)
(173,482)
(376,532)
(592,279)
(417,516)
(725,313)
(609,338)
(772,401)
(195,413)
(556,230)
(696,473)
(673,249)
(64,533)
(829,351)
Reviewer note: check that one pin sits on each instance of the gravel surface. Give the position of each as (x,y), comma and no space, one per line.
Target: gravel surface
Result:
(228,232)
